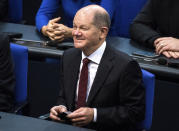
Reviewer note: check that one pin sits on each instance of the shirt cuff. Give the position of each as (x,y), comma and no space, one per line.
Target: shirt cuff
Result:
(95,115)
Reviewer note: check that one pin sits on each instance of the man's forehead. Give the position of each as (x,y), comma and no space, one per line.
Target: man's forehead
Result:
(81,16)
(85,13)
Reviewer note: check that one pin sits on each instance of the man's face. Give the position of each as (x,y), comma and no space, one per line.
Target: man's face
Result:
(86,35)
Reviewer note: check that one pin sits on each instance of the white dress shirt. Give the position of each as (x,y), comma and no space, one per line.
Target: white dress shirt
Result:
(95,59)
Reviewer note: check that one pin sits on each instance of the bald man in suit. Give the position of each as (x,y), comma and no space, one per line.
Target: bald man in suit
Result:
(114,95)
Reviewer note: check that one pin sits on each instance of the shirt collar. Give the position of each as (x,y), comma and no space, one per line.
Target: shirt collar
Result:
(97,55)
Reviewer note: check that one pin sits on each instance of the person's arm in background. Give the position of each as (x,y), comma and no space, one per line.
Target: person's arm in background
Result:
(3,8)
(7,77)
(46,12)
(143,29)
(168,46)
(48,25)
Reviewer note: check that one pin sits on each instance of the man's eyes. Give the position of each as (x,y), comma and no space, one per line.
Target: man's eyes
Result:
(82,28)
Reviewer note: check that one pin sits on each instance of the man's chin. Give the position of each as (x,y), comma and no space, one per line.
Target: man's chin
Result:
(78,45)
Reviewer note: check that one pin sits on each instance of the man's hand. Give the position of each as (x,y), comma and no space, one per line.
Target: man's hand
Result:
(54,111)
(55,31)
(82,116)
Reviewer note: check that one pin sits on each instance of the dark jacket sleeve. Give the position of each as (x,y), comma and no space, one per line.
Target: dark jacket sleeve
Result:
(7,79)
(143,28)
(132,100)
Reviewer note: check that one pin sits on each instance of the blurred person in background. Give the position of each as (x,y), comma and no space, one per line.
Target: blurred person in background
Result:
(157,26)
(7,78)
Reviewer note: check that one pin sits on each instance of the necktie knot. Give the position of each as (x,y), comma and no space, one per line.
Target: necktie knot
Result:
(86,61)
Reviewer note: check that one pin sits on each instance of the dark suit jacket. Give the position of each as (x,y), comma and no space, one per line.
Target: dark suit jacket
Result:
(7,79)
(158,18)
(117,90)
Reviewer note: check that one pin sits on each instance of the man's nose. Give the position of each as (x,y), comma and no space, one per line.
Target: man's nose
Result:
(76,32)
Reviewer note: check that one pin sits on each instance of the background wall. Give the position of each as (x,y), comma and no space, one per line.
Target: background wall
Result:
(30,8)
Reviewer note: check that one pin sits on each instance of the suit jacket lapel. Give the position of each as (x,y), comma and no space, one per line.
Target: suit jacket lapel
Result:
(73,71)
(104,68)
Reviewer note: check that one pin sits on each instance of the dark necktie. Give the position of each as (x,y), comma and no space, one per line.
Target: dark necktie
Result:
(82,90)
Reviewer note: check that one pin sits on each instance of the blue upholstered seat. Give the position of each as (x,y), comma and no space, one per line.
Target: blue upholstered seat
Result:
(149,84)
(20,59)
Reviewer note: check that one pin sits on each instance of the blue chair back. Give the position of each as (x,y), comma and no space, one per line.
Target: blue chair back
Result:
(127,10)
(20,59)
(149,84)
(15,11)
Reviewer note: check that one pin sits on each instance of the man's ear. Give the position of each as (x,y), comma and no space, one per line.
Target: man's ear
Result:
(104,32)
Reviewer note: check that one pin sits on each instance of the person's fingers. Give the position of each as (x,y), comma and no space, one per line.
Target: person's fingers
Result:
(159,46)
(172,54)
(77,111)
(55,20)
(78,119)
(51,38)
(75,115)
(49,29)
(56,25)
(53,111)
(156,42)
(54,117)
(53,114)
(164,48)
(165,53)
(159,40)
(177,54)
(50,34)
(62,109)
(58,33)
(59,38)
